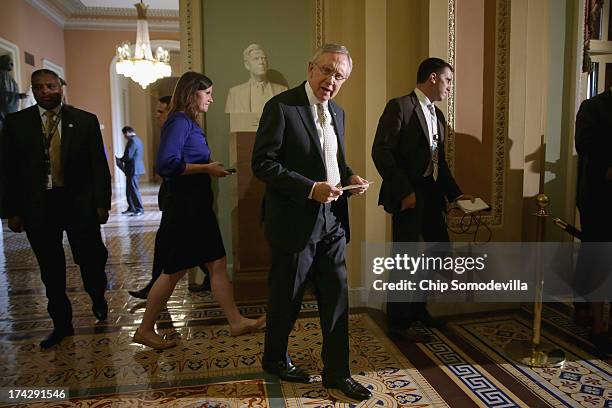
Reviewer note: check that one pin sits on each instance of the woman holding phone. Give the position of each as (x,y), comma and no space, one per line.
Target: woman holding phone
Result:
(189,231)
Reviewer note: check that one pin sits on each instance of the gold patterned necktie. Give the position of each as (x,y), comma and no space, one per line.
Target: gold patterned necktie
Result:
(434,140)
(52,135)
(330,146)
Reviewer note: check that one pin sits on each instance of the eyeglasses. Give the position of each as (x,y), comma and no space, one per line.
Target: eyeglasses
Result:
(330,72)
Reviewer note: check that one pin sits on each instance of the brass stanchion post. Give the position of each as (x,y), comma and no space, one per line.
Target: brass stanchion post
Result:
(537,353)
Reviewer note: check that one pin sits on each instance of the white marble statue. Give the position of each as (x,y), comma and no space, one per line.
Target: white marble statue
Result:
(252,95)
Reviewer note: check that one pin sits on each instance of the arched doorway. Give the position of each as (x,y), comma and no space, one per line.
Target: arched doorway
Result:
(120,101)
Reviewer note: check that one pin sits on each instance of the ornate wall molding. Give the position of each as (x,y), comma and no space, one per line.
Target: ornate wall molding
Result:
(188,16)
(450,134)
(189,33)
(502,53)
(500,121)
(319,19)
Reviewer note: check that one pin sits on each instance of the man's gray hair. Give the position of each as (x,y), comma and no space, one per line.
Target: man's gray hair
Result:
(248,50)
(334,49)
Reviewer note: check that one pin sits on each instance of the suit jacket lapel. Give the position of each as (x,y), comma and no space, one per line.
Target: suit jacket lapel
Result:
(34,127)
(338,126)
(420,116)
(305,112)
(441,126)
(333,108)
(37,124)
(67,132)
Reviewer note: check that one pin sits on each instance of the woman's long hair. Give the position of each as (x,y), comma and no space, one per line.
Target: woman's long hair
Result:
(184,95)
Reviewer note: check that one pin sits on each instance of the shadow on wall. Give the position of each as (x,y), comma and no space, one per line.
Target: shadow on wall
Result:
(552,183)
(276,77)
(475,174)
(474,170)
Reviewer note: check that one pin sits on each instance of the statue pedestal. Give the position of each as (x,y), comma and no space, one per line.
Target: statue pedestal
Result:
(250,248)
(244,122)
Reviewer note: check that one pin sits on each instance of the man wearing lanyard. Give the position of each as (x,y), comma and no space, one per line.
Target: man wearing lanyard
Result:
(55,178)
(408,152)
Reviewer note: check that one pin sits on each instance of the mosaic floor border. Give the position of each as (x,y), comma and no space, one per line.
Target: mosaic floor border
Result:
(582,381)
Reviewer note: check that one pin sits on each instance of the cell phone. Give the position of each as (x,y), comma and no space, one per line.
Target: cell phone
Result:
(231,170)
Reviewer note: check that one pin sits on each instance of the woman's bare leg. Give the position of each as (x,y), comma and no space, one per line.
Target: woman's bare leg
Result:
(223,291)
(156,301)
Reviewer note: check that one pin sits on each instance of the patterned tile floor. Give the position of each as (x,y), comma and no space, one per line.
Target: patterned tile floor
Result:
(463,366)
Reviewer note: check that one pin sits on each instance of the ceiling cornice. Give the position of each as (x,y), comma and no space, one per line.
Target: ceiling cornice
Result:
(121,12)
(49,11)
(67,6)
(119,25)
(73,14)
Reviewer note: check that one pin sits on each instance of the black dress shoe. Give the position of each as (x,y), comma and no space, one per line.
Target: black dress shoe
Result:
(350,388)
(140,294)
(137,214)
(127,212)
(56,336)
(100,310)
(288,372)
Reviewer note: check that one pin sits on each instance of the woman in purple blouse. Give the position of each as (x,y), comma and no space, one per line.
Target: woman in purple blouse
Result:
(189,234)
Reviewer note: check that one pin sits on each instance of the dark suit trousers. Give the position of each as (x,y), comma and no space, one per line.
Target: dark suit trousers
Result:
(88,251)
(132,192)
(424,221)
(593,264)
(322,261)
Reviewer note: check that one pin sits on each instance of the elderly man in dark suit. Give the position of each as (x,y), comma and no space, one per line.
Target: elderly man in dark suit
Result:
(56,179)
(408,152)
(594,197)
(133,167)
(299,155)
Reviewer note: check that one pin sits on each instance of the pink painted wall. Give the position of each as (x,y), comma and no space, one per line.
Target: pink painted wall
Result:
(32,32)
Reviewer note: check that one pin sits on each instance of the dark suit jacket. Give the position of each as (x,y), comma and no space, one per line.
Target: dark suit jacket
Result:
(594,147)
(133,165)
(401,152)
(86,174)
(288,158)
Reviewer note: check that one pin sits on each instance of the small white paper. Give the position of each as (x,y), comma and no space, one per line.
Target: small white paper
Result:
(467,206)
(352,186)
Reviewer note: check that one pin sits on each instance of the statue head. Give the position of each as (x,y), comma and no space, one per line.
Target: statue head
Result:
(255,60)
(6,63)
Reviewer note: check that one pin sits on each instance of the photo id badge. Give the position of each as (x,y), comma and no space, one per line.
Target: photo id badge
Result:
(49,182)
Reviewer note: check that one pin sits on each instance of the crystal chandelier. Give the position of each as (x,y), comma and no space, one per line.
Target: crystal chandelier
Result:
(143,68)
